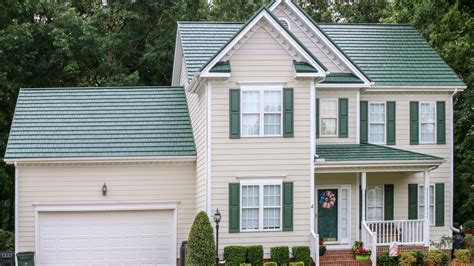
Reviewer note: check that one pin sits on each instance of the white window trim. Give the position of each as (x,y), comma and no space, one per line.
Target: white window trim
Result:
(321,118)
(367,203)
(261,183)
(384,123)
(287,22)
(435,123)
(423,204)
(261,89)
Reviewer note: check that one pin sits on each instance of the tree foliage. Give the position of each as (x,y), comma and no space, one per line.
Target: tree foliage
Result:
(201,246)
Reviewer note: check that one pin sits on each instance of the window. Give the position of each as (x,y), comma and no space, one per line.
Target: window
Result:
(261,206)
(328,117)
(375,203)
(377,123)
(421,204)
(285,23)
(261,105)
(427,122)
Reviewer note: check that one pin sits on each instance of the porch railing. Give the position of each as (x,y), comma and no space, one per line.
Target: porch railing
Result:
(402,231)
(370,241)
(315,247)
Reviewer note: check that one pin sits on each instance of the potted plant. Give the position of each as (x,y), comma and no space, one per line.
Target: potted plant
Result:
(359,251)
(322,247)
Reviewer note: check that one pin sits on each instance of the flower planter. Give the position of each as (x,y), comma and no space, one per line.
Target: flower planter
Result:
(322,250)
(362,257)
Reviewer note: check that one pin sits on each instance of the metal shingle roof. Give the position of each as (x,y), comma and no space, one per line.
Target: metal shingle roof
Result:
(392,55)
(342,78)
(100,122)
(368,152)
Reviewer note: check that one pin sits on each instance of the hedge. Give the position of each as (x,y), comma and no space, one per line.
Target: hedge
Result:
(303,254)
(235,255)
(280,255)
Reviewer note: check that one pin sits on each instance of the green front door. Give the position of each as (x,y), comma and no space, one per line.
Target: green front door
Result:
(327,214)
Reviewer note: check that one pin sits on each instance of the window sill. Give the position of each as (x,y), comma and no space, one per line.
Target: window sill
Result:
(261,231)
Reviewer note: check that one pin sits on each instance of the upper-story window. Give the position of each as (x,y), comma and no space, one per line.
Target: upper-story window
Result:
(328,117)
(377,123)
(261,112)
(285,23)
(427,122)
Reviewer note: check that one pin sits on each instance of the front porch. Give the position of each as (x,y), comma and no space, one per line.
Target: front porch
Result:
(374,194)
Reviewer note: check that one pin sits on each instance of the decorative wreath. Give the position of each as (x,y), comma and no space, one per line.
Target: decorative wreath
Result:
(327,199)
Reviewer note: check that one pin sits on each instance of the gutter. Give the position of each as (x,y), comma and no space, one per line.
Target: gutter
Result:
(322,163)
(104,159)
(451,170)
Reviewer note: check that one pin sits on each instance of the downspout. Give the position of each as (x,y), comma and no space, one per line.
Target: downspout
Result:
(451,180)
(313,151)
(17,172)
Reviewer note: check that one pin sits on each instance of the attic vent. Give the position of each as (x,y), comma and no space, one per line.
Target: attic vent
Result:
(285,23)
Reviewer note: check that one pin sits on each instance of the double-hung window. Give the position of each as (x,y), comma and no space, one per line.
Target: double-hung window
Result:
(328,117)
(261,206)
(427,122)
(375,203)
(261,112)
(431,205)
(377,123)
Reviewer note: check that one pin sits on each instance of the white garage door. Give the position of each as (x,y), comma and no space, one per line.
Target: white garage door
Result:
(106,238)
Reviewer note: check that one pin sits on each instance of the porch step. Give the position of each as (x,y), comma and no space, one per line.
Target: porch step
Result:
(341,257)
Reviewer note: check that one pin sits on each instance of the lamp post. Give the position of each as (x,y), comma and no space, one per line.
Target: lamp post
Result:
(217,219)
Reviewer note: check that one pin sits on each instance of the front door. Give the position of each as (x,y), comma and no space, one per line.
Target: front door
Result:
(327,214)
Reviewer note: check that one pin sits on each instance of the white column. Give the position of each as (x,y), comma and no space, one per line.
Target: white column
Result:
(426,227)
(312,148)
(363,188)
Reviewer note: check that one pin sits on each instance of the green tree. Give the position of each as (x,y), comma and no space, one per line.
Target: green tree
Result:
(201,246)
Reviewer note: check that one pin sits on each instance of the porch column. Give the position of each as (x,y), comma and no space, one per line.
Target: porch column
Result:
(426,227)
(363,189)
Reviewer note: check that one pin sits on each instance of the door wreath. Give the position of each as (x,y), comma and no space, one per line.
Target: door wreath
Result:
(327,199)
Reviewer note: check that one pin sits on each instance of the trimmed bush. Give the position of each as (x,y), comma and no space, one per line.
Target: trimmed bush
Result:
(270,263)
(255,255)
(201,246)
(463,255)
(419,257)
(385,260)
(302,254)
(7,240)
(235,255)
(437,257)
(280,255)
(407,259)
(469,225)
(245,264)
(299,263)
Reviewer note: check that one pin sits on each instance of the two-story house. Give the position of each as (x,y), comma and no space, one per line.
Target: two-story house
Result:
(294,130)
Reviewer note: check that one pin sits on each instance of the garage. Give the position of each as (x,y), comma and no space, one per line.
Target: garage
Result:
(118,237)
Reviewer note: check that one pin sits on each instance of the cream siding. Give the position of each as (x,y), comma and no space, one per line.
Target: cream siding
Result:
(126,182)
(262,59)
(178,64)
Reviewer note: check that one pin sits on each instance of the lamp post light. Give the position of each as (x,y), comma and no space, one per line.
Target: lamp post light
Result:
(217,219)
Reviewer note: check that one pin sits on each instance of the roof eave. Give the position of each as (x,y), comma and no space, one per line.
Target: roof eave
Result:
(102,159)
(421,87)
(434,162)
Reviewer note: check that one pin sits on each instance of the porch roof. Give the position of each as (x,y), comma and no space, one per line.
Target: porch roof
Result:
(368,153)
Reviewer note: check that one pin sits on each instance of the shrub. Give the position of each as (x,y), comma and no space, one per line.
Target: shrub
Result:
(469,225)
(385,260)
(407,259)
(457,262)
(235,255)
(437,257)
(419,257)
(302,254)
(245,264)
(463,255)
(255,255)
(7,240)
(280,255)
(270,263)
(201,246)
(299,263)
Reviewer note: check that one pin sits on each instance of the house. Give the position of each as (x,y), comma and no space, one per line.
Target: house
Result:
(294,130)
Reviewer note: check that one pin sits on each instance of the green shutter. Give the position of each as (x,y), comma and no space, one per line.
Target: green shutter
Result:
(391,123)
(441,122)
(412,201)
(439,204)
(364,122)
(234,113)
(317,118)
(234,207)
(343,118)
(287,206)
(414,127)
(288,113)
(388,201)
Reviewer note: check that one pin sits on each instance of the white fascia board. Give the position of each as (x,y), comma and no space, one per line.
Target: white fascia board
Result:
(195,83)
(324,39)
(418,88)
(263,14)
(215,75)
(343,85)
(104,159)
(274,5)
(176,64)
(427,163)
(309,75)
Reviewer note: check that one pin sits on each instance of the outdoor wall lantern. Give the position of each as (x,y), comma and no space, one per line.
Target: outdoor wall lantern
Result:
(104,190)
(217,220)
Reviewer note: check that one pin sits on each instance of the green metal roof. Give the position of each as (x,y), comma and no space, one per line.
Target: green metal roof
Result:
(100,122)
(201,41)
(221,67)
(342,78)
(303,67)
(392,55)
(368,152)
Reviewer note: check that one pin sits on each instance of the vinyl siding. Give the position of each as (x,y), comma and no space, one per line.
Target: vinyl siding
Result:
(126,182)
(261,59)
(296,29)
